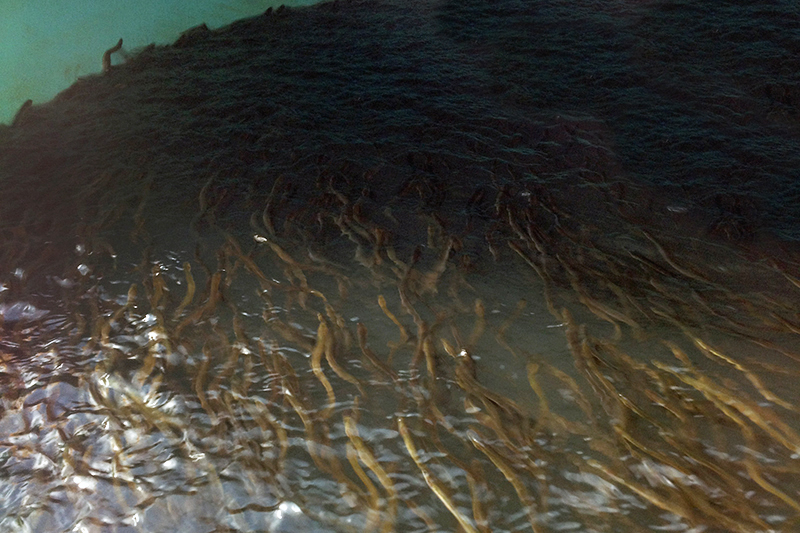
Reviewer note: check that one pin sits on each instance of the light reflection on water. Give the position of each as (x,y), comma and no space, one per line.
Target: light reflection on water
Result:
(154,414)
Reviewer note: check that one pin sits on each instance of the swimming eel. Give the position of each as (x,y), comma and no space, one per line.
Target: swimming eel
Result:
(107,56)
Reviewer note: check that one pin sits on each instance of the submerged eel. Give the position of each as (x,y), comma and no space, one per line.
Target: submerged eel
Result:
(107,55)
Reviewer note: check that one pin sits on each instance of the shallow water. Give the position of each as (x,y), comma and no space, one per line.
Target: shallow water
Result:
(342,269)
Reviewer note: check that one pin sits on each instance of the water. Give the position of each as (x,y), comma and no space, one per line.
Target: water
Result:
(47,47)
(350,268)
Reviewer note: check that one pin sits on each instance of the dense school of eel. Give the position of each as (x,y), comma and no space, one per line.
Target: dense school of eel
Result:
(319,258)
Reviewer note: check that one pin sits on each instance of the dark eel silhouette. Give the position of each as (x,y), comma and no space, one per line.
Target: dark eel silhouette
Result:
(107,55)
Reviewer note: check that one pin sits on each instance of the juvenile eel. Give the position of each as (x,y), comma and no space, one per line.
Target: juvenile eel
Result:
(107,56)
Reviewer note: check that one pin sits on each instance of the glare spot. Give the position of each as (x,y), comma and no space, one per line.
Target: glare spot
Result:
(243,349)
(156,336)
(62,282)
(472,409)
(286,509)
(85,482)
(132,435)
(197,456)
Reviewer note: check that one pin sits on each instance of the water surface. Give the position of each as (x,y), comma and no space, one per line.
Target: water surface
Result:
(391,267)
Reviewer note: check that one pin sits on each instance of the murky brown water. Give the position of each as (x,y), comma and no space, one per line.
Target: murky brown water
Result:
(424,312)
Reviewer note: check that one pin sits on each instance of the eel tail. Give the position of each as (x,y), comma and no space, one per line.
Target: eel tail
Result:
(107,56)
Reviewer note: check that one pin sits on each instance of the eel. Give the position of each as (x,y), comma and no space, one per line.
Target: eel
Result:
(107,55)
